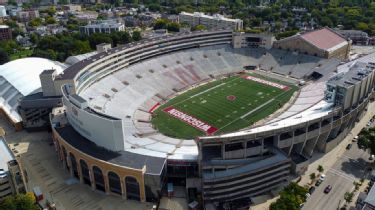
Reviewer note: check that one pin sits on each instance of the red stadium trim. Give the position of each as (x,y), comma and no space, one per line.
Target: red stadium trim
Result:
(153,108)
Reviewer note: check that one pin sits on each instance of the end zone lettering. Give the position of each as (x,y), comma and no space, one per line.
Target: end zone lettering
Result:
(265,82)
(196,123)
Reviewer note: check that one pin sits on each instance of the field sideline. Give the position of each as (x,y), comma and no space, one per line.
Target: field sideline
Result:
(226,105)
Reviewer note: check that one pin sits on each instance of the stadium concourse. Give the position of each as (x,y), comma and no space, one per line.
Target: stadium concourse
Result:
(105,136)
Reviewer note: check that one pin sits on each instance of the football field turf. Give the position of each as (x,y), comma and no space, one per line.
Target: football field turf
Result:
(226,105)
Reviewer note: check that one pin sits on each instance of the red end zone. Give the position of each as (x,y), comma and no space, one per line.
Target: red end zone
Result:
(196,123)
(265,82)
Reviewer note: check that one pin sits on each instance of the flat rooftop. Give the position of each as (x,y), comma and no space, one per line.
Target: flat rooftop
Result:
(6,154)
(355,73)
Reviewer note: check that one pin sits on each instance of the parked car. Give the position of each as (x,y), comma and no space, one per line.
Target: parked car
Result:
(328,189)
(311,190)
(371,157)
(322,177)
(349,146)
(2,173)
(307,195)
(355,139)
(317,183)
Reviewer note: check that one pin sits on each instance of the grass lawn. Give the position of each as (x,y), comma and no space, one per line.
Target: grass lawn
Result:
(21,54)
(228,104)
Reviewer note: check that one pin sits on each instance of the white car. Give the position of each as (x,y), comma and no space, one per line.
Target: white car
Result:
(322,177)
(2,173)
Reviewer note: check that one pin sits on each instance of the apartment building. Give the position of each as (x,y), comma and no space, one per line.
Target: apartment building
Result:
(11,181)
(216,21)
(102,27)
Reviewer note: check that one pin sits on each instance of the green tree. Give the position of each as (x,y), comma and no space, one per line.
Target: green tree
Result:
(362,26)
(136,35)
(4,57)
(9,46)
(320,168)
(199,28)
(285,34)
(312,176)
(160,24)
(173,27)
(35,22)
(366,139)
(19,202)
(291,197)
(50,20)
(99,38)
(348,197)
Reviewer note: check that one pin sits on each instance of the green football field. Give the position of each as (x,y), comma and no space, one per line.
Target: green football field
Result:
(228,104)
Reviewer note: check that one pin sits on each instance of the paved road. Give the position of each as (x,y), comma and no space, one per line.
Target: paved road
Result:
(349,167)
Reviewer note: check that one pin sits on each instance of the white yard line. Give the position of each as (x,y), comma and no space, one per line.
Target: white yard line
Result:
(214,87)
(259,107)
(219,85)
(243,116)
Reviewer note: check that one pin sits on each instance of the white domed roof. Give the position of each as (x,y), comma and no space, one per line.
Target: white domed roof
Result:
(20,78)
(23,73)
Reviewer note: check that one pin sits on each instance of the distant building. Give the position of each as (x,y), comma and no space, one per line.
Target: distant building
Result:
(346,90)
(324,43)
(357,37)
(242,39)
(27,15)
(87,16)
(371,41)
(102,27)
(172,18)
(3,11)
(72,7)
(11,179)
(216,21)
(5,32)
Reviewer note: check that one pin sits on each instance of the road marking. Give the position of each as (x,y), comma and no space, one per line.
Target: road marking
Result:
(342,174)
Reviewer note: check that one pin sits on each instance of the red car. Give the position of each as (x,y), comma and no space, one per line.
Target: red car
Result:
(328,189)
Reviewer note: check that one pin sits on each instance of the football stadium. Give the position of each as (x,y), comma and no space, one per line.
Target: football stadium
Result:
(226,116)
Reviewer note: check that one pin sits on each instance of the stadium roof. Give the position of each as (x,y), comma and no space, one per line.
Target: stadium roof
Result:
(20,78)
(23,74)
(77,58)
(324,39)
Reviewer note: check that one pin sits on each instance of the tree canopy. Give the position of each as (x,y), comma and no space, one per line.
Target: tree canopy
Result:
(166,24)
(366,139)
(19,202)
(61,46)
(4,57)
(291,197)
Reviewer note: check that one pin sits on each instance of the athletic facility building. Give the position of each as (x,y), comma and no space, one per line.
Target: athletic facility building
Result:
(325,43)
(185,110)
